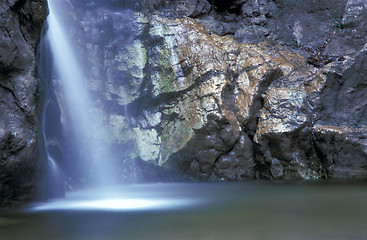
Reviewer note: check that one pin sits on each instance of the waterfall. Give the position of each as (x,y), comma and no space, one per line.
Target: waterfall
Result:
(92,153)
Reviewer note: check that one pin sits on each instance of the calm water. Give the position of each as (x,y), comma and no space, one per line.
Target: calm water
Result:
(198,211)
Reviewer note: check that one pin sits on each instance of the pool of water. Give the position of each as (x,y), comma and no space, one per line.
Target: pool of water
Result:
(255,210)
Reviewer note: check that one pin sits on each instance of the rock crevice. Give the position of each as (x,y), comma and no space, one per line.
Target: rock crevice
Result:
(208,90)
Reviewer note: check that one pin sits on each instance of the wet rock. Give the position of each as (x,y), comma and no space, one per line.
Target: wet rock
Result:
(239,163)
(339,130)
(323,29)
(343,151)
(283,139)
(217,99)
(192,8)
(20,168)
(353,23)
(342,98)
(115,52)
(219,91)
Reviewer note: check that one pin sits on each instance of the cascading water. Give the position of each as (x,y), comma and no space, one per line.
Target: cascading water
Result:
(92,153)
(164,211)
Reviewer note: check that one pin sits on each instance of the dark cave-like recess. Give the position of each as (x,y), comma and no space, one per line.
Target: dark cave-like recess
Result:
(231,6)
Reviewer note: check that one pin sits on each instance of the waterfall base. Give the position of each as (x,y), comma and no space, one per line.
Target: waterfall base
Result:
(199,211)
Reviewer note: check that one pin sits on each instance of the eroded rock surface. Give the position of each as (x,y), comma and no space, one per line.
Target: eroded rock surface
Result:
(20,169)
(211,108)
(211,90)
(340,129)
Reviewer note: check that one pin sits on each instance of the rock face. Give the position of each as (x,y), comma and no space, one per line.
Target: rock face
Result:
(339,131)
(245,90)
(201,90)
(20,169)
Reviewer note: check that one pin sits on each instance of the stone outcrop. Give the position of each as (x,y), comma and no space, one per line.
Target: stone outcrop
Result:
(341,118)
(218,108)
(20,169)
(201,90)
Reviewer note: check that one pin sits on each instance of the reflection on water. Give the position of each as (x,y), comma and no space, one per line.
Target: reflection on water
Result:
(127,198)
(198,211)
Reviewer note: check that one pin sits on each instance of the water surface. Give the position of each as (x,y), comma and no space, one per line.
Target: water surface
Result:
(253,210)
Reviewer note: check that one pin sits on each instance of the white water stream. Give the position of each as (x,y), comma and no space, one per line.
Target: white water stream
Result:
(87,128)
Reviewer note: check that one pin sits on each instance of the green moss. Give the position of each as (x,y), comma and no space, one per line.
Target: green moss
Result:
(163,76)
(133,59)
